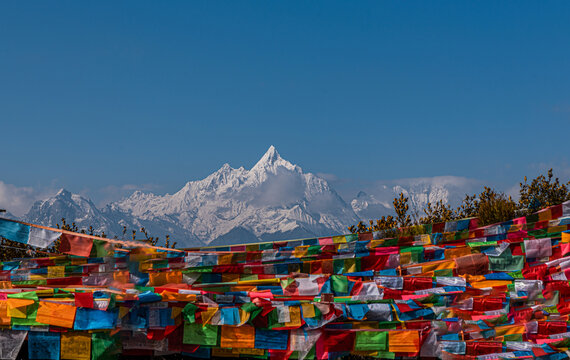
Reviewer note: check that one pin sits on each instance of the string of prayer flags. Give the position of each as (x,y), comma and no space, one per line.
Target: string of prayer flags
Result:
(457,291)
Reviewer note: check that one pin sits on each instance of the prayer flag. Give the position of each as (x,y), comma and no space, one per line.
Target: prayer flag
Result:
(75,245)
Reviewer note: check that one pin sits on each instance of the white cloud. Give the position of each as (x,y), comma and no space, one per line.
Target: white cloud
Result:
(18,200)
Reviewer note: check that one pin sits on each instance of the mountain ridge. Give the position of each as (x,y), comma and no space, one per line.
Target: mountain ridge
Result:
(273,200)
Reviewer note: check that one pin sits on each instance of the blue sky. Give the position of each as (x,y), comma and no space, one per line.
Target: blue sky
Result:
(107,95)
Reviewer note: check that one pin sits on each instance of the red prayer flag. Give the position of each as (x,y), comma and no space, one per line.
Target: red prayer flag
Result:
(75,245)
(84,300)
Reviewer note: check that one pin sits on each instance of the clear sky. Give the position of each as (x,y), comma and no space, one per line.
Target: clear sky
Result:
(153,94)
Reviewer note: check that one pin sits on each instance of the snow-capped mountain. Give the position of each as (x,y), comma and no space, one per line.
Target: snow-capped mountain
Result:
(273,200)
(72,207)
(368,207)
(377,199)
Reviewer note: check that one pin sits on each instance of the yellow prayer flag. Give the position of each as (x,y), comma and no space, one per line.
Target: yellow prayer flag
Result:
(75,346)
(55,272)
(308,310)
(405,258)
(294,316)
(225,259)
(339,239)
(300,251)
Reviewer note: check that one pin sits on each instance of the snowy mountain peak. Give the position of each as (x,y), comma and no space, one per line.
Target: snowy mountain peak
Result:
(62,193)
(73,207)
(270,156)
(270,163)
(273,200)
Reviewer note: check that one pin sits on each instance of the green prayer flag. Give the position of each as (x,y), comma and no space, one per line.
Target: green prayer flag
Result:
(29,295)
(200,334)
(339,283)
(499,263)
(370,341)
(103,346)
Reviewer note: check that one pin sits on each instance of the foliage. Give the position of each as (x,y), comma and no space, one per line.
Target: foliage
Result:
(401,208)
(154,240)
(439,212)
(384,223)
(469,207)
(543,191)
(494,207)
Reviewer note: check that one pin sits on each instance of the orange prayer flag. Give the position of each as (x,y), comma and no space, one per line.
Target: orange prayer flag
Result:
(490,284)
(509,330)
(75,245)
(238,336)
(173,296)
(174,277)
(17,308)
(453,253)
(56,314)
(164,277)
(407,341)
(4,317)
(438,265)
